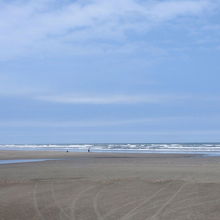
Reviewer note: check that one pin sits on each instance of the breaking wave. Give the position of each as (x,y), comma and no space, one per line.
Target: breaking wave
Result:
(127,147)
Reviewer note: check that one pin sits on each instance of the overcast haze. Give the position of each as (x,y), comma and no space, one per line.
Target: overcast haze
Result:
(78,71)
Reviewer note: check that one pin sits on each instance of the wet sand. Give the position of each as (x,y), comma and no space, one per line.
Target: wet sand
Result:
(98,186)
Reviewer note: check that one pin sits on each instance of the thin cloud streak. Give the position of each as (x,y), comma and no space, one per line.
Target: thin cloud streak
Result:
(67,124)
(126,99)
(117,99)
(110,123)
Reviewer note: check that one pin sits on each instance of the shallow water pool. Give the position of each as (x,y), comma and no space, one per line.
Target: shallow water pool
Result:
(22,161)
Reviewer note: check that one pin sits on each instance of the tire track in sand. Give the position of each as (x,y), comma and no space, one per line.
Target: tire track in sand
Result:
(36,202)
(154,217)
(133,211)
(113,211)
(192,206)
(77,198)
(62,211)
(95,203)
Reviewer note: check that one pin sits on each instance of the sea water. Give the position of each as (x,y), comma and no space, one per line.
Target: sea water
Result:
(200,148)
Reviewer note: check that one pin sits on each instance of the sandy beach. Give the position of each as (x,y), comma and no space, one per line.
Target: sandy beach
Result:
(99,186)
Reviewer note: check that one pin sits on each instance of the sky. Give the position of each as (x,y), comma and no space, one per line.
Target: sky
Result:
(99,71)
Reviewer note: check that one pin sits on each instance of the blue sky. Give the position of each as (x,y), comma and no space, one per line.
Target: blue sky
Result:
(78,71)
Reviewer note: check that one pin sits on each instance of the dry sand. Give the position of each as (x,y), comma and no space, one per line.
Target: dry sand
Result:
(94,186)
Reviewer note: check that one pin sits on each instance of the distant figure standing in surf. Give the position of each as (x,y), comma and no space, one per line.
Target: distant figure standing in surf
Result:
(89,150)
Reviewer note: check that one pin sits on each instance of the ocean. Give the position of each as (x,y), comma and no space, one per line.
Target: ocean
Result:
(198,148)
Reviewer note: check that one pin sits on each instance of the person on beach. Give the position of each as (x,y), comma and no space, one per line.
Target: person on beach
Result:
(88,149)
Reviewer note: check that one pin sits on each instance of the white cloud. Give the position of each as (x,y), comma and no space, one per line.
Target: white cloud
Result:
(151,98)
(169,9)
(76,26)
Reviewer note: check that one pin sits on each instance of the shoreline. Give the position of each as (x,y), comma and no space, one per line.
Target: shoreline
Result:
(61,155)
(20,154)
